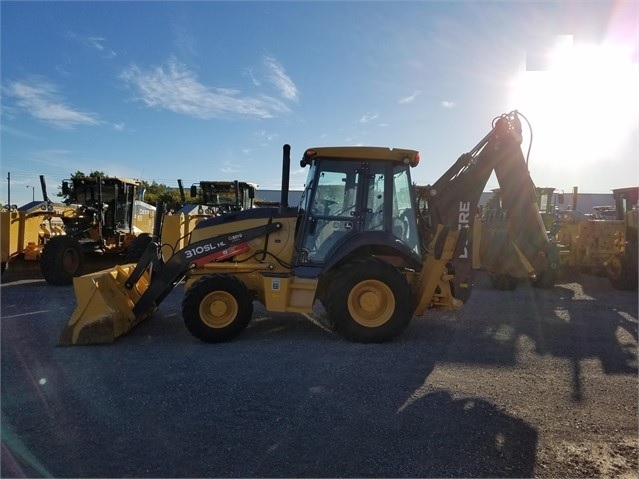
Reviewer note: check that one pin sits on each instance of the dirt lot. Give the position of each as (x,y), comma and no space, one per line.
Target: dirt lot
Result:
(528,383)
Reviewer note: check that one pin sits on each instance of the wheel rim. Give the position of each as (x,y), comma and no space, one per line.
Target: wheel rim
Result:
(371,303)
(70,260)
(218,309)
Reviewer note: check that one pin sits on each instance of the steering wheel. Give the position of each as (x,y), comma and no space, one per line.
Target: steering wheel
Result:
(327,206)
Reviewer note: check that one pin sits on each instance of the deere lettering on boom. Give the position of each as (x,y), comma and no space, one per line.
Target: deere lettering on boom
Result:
(353,243)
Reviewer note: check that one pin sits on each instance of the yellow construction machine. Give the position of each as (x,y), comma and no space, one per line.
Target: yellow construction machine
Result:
(622,266)
(217,197)
(495,251)
(107,221)
(352,243)
(25,230)
(585,241)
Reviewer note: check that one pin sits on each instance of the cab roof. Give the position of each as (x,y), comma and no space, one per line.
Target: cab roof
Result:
(107,179)
(399,155)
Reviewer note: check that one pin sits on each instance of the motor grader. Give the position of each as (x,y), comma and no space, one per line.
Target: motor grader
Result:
(108,222)
(352,243)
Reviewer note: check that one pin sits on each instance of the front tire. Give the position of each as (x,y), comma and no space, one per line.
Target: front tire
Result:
(216,308)
(62,259)
(369,301)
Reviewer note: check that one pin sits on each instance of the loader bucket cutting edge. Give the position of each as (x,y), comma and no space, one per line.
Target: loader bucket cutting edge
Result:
(104,308)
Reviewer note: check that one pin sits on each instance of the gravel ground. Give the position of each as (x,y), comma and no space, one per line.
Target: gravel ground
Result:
(528,383)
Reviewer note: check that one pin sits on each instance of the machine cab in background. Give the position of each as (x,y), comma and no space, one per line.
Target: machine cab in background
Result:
(351,193)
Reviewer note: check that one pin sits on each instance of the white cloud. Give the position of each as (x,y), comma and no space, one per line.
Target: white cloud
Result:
(449,104)
(41,100)
(278,77)
(409,99)
(368,118)
(94,42)
(174,87)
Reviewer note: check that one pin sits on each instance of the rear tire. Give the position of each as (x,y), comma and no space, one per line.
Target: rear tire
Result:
(62,259)
(216,308)
(369,301)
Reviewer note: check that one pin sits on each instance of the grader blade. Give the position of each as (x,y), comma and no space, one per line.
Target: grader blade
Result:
(104,308)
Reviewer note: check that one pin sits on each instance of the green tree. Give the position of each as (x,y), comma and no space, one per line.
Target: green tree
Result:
(154,192)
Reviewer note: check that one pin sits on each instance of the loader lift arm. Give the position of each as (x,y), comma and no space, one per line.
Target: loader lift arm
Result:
(98,320)
(453,199)
(195,254)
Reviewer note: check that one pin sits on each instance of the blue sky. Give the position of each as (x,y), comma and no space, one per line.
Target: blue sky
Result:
(212,90)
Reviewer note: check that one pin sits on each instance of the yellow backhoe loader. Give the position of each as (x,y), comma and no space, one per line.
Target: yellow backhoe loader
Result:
(352,244)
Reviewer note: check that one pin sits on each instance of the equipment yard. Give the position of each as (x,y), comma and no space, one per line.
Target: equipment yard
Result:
(525,383)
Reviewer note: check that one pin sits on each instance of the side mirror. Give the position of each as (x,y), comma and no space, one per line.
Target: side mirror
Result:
(560,198)
(65,188)
(193,191)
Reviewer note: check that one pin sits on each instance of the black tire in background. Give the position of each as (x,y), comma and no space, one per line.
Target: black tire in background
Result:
(62,259)
(216,308)
(369,301)
(138,246)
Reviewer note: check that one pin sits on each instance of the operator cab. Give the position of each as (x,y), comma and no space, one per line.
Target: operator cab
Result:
(105,200)
(353,194)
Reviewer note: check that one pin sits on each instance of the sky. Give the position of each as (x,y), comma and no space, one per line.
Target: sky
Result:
(212,90)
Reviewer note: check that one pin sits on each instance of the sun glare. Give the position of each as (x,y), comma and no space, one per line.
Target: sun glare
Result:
(583,106)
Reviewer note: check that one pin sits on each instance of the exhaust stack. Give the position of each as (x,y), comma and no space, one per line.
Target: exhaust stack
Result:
(286,171)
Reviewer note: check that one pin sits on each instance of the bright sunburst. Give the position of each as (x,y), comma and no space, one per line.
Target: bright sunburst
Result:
(584,106)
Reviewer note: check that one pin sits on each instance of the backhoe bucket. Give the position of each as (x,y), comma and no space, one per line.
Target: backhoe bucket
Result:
(104,308)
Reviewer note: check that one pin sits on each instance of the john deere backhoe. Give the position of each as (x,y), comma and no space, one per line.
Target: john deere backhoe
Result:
(352,244)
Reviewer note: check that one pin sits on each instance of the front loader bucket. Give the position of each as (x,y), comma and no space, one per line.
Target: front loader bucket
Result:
(104,308)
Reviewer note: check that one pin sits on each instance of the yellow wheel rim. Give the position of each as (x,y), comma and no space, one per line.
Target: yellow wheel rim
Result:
(371,303)
(218,309)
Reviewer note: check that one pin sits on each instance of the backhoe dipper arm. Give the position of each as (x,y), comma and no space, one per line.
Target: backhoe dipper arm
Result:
(164,279)
(453,198)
